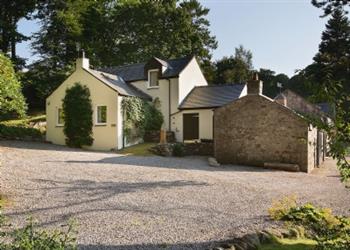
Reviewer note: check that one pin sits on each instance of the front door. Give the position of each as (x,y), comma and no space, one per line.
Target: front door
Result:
(191,126)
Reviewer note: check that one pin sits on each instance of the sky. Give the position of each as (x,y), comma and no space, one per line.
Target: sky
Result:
(283,35)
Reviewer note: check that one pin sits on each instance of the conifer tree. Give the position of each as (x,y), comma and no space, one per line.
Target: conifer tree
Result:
(332,75)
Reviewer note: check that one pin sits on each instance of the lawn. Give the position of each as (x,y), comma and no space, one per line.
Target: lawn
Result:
(23,128)
(289,244)
(26,121)
(138,150)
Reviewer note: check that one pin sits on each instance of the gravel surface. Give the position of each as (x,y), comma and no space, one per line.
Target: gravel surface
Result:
(126,202)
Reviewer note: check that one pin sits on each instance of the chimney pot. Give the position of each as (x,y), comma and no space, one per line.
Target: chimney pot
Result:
(82,62)
(255,86)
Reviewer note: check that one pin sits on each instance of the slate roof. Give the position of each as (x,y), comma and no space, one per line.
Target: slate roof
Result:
(117,83)
(326,108)
(135,72)
(211,96)
(300,105)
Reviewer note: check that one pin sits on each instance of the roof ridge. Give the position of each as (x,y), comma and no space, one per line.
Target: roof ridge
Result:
(125,65)
(219,85)
(133,64)
(179,58)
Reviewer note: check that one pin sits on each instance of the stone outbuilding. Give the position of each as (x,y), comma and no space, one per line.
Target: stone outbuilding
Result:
(257,131)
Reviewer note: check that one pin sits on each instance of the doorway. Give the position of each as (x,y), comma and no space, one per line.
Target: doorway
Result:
(190,126)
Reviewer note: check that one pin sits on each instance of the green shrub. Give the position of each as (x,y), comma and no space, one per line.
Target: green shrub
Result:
(153,117)
(19,132)
(12,102)
(178,149)
(281,207)
(329,230)
(31,238)
(77,109)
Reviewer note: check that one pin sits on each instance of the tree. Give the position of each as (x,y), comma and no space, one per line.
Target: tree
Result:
(10,13)
(237,68)
(138,30)
(77,109)
(332,72)
(303,82)
(329,6)
(114,33)
(12,103)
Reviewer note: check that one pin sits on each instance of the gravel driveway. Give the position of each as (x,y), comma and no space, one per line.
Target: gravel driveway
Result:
(125,202)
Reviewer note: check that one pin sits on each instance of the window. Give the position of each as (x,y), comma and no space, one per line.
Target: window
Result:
(153,78)
(60,117)
(101,115)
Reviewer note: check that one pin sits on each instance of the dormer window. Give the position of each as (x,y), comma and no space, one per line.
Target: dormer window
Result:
(153,78)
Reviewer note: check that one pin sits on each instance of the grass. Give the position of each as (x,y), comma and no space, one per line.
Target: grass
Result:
(23,128)
(25,121)
(141,149)
(289,244)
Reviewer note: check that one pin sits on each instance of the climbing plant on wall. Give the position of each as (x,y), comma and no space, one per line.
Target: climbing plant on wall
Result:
(77,109)
(140,115)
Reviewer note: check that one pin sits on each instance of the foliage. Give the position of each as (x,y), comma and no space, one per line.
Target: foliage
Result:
(19,132)
(29,238)
(331,75)
(10,14)
(179,27)
(329,6)
(270,80)
(281,207)
(26,122)
(330,231)
(41,79)
(134,116)
(289,244)
(234,69)
(12,103)
(178,149)
(112,33)
(23,128)
(153,116)
(141,114)
(77,109)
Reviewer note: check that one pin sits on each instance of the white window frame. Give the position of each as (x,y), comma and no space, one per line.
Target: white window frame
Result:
(149,79)
(96,115)
(58,117)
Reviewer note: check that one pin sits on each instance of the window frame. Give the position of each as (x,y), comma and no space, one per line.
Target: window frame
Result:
(149,79)
(96,116)
(58,124)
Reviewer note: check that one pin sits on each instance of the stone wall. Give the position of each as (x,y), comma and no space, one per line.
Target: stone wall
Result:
(154,136)
(254,130)
(205,148)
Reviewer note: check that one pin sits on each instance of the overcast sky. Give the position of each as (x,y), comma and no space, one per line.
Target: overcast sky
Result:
(282,34)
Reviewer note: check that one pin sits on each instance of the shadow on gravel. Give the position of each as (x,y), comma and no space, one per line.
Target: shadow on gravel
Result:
(87,196)
(188,162)
(30,145)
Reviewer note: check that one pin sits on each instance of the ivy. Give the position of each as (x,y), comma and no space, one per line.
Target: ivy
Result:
(140,115)
(77,109)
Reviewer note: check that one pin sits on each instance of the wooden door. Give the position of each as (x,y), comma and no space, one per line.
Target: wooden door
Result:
(191,126)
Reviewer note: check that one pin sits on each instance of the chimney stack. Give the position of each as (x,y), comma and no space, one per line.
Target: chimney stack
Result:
(82,62)
(255,86)
(281,99)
